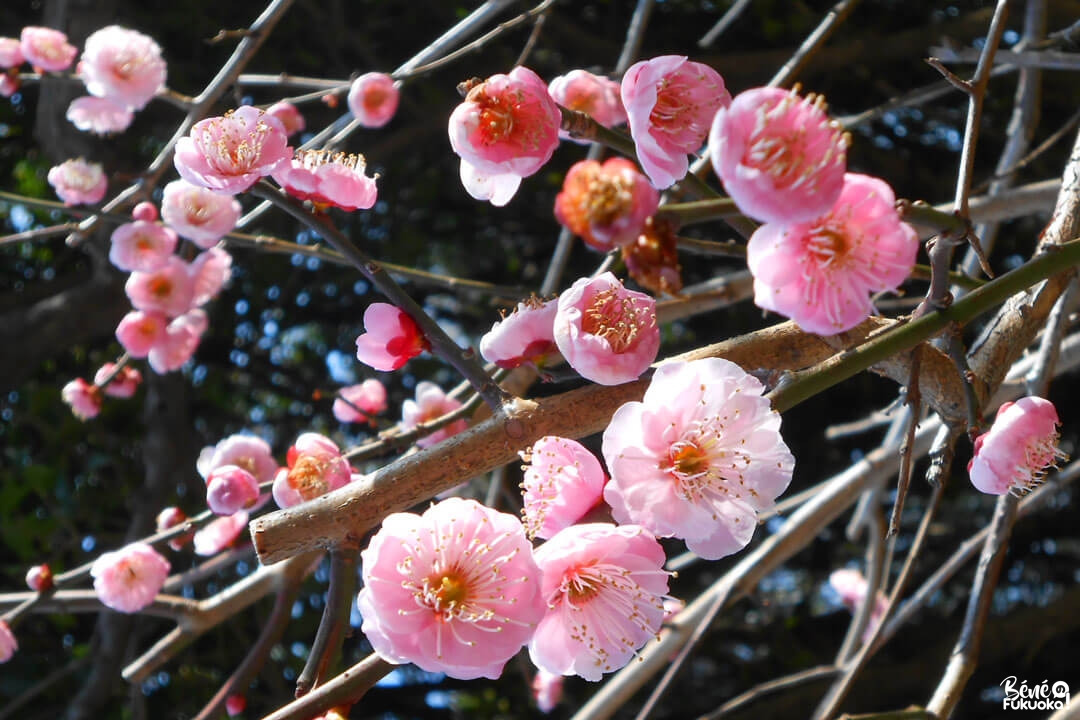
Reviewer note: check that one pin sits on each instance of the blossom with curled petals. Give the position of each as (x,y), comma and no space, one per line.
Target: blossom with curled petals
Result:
(78,182)
(140,331)
(606,205)
(525,336)
(392,338)
(122,65)
(562,481)
(210,270)
(128,579)
(326,178)
(99,116)
(46,49)
(229,154)
(1015,453)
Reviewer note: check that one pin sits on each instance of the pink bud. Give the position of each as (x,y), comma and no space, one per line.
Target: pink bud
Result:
(170,517)
(288,115)
(84,398)
(1021,445)
(39,578)
(145,211)
(140,331)
(373,99)
(547,690)
(235,704)
(124,383)
(230,489)
(596,96)
(391,339)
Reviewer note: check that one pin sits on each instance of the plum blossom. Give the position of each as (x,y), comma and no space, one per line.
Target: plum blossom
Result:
(288,115)
(698,458)
(167,289)
(219,533)
(604,586)
(170,517)
(10,53)
(822,273)
(122,65)
(779,156)
(84,398)
(356,403)
(547,689)
(140,331)
(327,178)
(125,380)
(431,404)
(670,102)
(9,83)
(128,579)
(230,489)
(562,482)
(246,451)
(235,704)
(606,205)
(8,644)
(39,578)
(141,246)
(316,467)
(607,333)
(373,99)
(46,49)
(210,270)
(455,590)
(229,154)
(99,116)
(652,259)
(852,588)
(78,182)
(200,215)
(392,338)
(1015,453)
(525,336)
(181,339)
(596,96)
(145,211)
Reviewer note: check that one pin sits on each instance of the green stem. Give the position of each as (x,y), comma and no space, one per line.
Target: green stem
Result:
(697,211)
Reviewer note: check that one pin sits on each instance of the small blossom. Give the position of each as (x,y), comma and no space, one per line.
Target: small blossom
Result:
(454,590)
(170,517)
(220,533)
(235,704)
(9,83)
(246,451)
(8,644)
(47,49)
(327,178)
(99,116)
(606,205)
(181,339)
(562,482)
(596,96)
(607,333)
(124,382)
(141,246)
(122,65)
(84,398)
(167,289)
(392,338)
(230,489)
(39,578)
(288,115)
(200,215)
(128,579)
(652,258)
(78,182)
(852,588)
(431,404)
(231,153)
(670,103)
(524,337)
(373,99)
(547,689)
(140,331)
(1022,444)
(698,458)
(210,270)
(316,467)
(357,402)
(10,53)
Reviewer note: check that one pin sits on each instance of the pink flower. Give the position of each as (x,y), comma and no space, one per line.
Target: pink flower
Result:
(670,102)
(168,289)
(246,451)
(210,270)
(316,467)
(128,579)
(145,211)
(181,339)
(454,590)
(852,588)
(200,215)
(140,331)
(506,129)
(288,115)
(392,338)
(230,489)
(39,578)
(10,53)
(170,517)
(779,156)
(122,65)
(596,96)
(604,586)
(141,246)
(47,49)
(607,333)
(373,99)
(100,116)
(607,205)
(78,182)
(822,273)
(698,458)
(431,404)
(652,259)
(547,690)
(9,83)
(84,398)
(8,644)
(327,178)
(124,383)
(219,533)
(562,482)
(231,153)
(357,402)
(525,336)
(1014,455)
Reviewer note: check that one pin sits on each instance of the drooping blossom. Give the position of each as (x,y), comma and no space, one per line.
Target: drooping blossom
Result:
(853,589)
(670,103)
(524,337)
(83,398)
(328,178)
(246,451)
(230,489)
(8,644)
(219,533)
(210,270)
(606,205)
(316,467)
(229,154)
(46,49)
(652,258)
(288,115)
(200,215)
(170,517)
(167,289)
(141,246)
(100,116)
(547,690)
(822,273)
(392,338)
(356,403)
(607,333)
(10,53)
(373,99)
(506,129)
(39,578)
(698,458)
(779,155)
(455,590)
(595,95)
(562,482)
(140,331)
(78,182)
(604,586)
(431,404)
(181,339)
(1015,453)
(124,383)
(122,65)
(128,579)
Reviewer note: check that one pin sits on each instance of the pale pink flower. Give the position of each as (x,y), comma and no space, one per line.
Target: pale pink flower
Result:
(231,153)
(698,458)
(219,533)
(525,336)
(141,246)
(246,451)
(326,178)
(562,482)
(373,99)
(124,383)
(607,333)
(47,49)
(606,205)
(181,340)
(670,103)
(78,182)
(431,404)
(84,398)
(316,467)
(122,65)
(170,517)
(392,338)
(547,689)
(230,489)
(210,270)
(852,588)
(100,116)
(596,96)
(506,129)
(1015,453)
(140,331)
(10,53)
(167,289)
(39,578)
(357,402)
(200,215)
(779,156)
(455,590)
(822,273)
(288,115)
(8,644)
(604,586)
(128,579)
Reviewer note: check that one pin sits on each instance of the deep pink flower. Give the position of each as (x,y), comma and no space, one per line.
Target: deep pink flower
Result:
(288,115)
(84,398)
(547,689)
(235,704)
(170,517)
(373,99)
(124,383)
(219,533)
(100,116)
(78,182)
(327,178)
(606,205)
(231,153)
(604,586)
(1015,453)
(8,644)
(562,482)
(122,65)
(210,270)
(246,451)
(47,49)
(454,590)
(168,289)
(128,579)
(670,103)
(525,336)
(140,331)
(392,338)
(141,246)
(10,53)
(779,156)
(39,578)
(852,588)
(698,458)
(181,339)
(200,215)
(230,489)
(316,467)
(357,402)
(596,96)
(607,333)
(431,404)
(822,273)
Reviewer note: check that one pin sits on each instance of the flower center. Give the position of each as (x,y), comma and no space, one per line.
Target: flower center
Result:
(581,585)
(374,98)
(688,459)
(307,476)
(827,246)
(452,591)
(161,287)
(607,197)
(614,319)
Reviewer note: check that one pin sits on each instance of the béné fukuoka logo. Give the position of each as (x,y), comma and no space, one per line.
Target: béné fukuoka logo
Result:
(1038,696)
